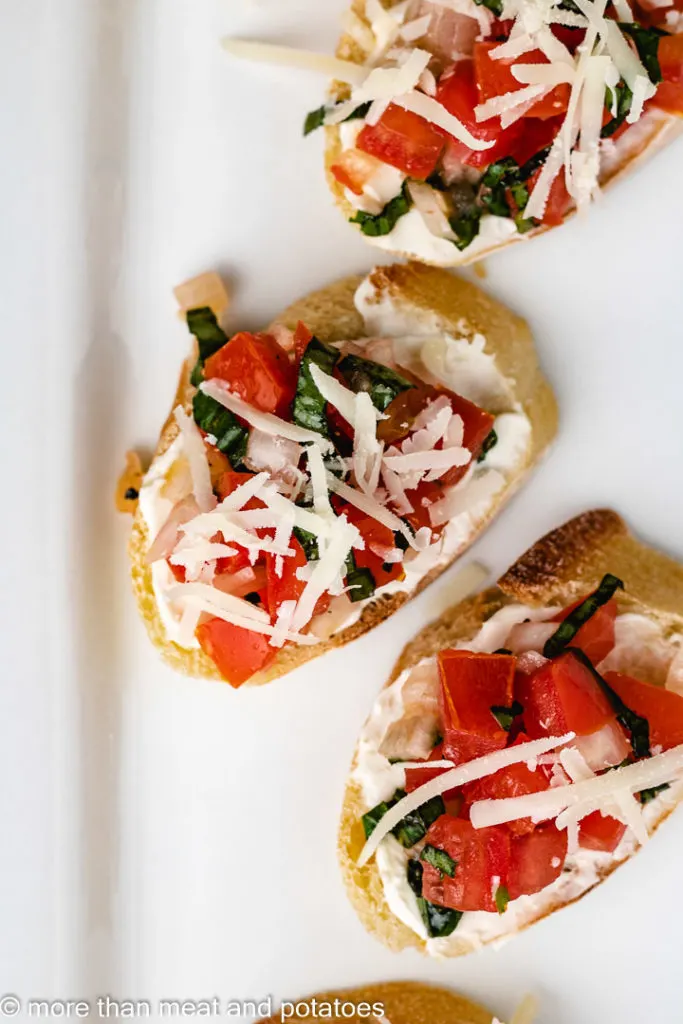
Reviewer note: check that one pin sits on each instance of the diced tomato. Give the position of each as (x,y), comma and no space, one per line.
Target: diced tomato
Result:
(662,708)
(571,37)
(559,200)
(422,498)
(287,586)
(353,169)
(257,369)
(560,697)
(302,339)
(600,832)
(379,540)
(669,95)
(494,78)
(478,424)
(482,855)
(596,637)
(536,860)
(238,653)
(457,92)
(229,482)
(536,134)
(515,780)
(404,140)
(402,412)
(416,777)
(471,684)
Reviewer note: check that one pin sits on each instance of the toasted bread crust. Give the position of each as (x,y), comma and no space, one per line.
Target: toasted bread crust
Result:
(331,314)
(557,569)
(404,1002)
(664,128)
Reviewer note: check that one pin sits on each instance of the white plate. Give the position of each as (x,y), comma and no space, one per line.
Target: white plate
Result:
(169,838)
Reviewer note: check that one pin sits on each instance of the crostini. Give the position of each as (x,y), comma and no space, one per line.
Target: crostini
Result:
(526,744)
(396,1002)
(312,478)
(479,124)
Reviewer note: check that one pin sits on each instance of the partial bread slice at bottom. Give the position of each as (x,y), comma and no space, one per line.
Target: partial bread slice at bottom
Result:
(427,295)
(404,1002)
(559,568)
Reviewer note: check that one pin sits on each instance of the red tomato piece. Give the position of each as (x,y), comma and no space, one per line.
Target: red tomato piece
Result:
(422,498)
(536,860)
(662,708)
(238,653)
(482,855)
(227,483)
(353,169)
(416,777)
(560,697)
(470,685)
(257,369)
(596,637)
(536,134)
(478,424)
(600,832)
(516,780)
(404,140)
(669,95)
(494,78)
(457,92)
(379,540)
(559,200)
(288,587)
(302,338)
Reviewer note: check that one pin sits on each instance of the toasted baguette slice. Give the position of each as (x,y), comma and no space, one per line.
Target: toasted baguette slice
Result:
(425,294)
(403,1002)
(559,568)
(661,129)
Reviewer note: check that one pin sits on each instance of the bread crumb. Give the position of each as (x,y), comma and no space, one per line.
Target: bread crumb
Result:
(128,486)
(480,270)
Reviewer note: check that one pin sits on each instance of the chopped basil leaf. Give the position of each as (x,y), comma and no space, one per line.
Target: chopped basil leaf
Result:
(636,725)
(505,716)
(309,543)
(132,494)
(496,202)
(649,794)
(308,409)
(502,899)
(490,441)
(647,45)
(520,195)
(210,337)
(316,118)
(466,227)
(439,921)
(381,383)
(439,859)
(213,418)
(500,170)
(495,6)
(569,627)
(410,829)
(361,584)
(624,98)
(384,222)
(400,541)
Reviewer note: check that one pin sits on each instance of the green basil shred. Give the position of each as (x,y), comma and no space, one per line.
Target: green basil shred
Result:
(439,921)
(637,726)
(210,337)
(495,6)
(410,829)
(439,859)
(502,899)
(308,409)
(569,627)
(361,584)
(381,383)
(213,418)
(505,716)
(316,118)
(647,44)
(309,542)
(490,441)
(382,223)
(623,99)
(649,794)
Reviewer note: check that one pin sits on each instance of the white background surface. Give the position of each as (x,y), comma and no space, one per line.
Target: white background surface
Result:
(169,838)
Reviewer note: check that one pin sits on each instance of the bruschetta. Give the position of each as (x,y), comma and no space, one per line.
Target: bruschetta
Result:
(527,743)
(477,124)
(312,478)
(396,1002)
